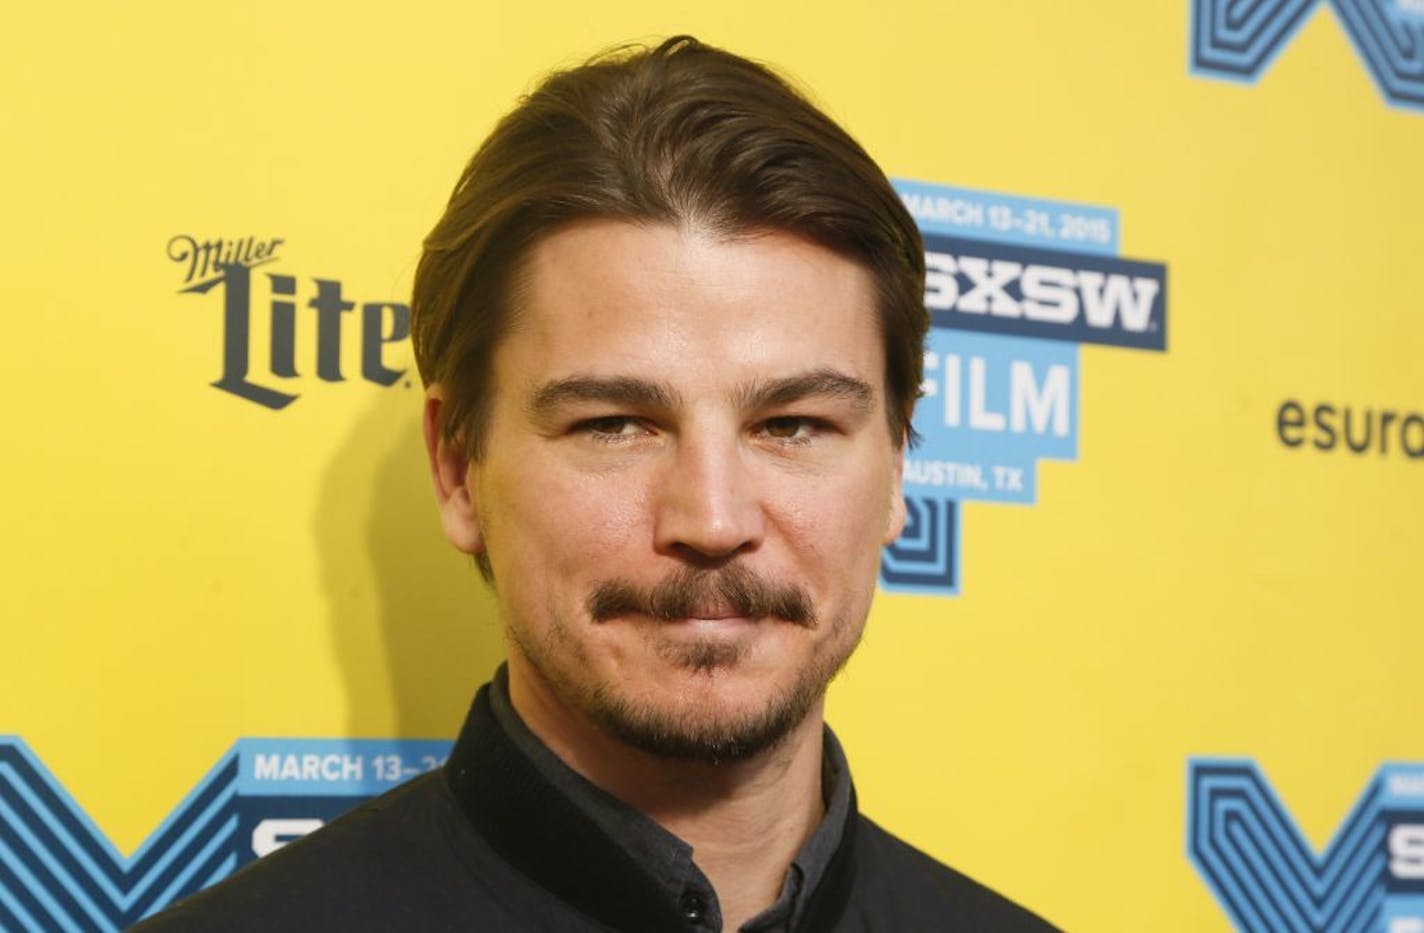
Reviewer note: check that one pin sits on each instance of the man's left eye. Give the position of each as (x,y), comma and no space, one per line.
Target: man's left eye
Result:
(619,426)
(788,428)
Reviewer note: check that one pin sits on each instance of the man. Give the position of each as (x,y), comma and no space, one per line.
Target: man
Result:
(671,326)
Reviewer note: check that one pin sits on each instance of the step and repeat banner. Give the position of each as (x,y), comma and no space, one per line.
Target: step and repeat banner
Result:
(1149,654)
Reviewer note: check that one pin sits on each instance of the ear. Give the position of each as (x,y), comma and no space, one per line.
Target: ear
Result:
(896,521)
(450,472)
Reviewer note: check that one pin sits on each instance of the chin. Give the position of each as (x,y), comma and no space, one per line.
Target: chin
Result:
(704,725)
(711,704)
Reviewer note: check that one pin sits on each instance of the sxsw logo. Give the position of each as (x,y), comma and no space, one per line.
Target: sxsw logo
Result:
(317,312)
(59,872)
(1238,39)
(1014,286)
(1269,880)
(1040,293)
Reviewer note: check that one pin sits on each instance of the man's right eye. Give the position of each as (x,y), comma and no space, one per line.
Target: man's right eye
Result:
(612,427)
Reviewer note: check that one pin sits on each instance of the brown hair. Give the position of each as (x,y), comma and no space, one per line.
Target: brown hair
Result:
(683,133)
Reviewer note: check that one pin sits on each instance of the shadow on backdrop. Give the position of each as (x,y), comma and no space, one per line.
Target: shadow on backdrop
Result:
(414,629)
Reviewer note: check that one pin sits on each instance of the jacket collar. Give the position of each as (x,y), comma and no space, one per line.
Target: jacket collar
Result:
(551,830)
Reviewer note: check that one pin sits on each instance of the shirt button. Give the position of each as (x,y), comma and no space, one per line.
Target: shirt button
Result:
(694,906)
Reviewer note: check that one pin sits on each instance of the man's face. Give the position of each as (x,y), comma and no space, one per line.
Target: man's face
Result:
(686,481)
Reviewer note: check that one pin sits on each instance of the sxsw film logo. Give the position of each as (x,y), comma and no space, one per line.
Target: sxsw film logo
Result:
(1239,39)
(1034,293)
(59,872)
(263,374)
(1014,286)
(1269,880)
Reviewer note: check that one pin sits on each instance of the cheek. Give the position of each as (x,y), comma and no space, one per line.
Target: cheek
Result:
(565,530)
(834,530)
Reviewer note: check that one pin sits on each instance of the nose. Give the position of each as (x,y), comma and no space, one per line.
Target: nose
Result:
(708,506)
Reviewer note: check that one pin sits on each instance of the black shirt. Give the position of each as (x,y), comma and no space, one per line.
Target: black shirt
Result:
(667,858)
(506,837)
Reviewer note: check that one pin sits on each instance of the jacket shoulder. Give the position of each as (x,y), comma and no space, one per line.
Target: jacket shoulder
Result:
(896,880)
(388,864)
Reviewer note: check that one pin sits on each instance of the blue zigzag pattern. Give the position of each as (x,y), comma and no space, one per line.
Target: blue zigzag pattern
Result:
(1264,873)
(926,555)
(59,872)
(1239,39)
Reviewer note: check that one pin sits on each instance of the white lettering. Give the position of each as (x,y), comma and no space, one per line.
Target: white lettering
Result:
(1407,785)
(350,768)
(1008,478)
(308,767)
(951,390)
(271,835)
(1406,851)
(938,207)
(1029,403)
(1049,294)
(1106,297)
(267,767)
(929,386)
(980,417)
(1040,398)
(988,280)
(944,473)
(941,287)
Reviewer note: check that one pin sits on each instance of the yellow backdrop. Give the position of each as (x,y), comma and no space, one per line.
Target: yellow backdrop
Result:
(184,567)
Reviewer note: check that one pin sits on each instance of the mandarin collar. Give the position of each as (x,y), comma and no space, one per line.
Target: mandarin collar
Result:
(612,862)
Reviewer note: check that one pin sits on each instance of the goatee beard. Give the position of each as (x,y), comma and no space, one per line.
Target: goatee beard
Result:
(690,593)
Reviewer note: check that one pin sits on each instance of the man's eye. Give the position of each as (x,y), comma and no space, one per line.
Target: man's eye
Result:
(789,428)
(613,426)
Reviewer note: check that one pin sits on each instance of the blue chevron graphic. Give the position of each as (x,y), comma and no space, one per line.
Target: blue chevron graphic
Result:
(1269,880)
(58,872)
(1239,39)
(925,558)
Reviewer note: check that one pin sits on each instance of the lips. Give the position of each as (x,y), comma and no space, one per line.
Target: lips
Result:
(716,613)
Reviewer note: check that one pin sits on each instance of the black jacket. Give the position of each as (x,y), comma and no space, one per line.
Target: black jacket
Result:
(491,843)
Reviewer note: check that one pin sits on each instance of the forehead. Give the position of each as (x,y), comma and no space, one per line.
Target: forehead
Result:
(683,305)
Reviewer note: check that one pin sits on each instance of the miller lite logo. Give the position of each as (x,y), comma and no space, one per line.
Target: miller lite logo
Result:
(226,273)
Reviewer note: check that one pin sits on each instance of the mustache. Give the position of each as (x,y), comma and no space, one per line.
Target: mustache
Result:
(688,593)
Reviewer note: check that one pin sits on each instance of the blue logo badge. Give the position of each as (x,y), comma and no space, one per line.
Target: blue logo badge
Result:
(1269,879)
(1013,286)
(58,871)
(1238,39)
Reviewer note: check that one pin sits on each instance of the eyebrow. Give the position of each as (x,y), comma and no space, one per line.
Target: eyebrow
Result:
(631,391)
(617,390)
(819,383)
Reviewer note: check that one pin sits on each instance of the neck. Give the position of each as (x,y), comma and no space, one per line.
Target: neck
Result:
(745,820)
